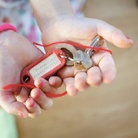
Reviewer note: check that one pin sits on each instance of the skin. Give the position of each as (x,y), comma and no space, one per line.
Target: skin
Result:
(14,56)
(104,70)
(61,24)
(57,22)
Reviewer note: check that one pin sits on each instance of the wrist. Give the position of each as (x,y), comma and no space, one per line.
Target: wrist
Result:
(6,31)
(50,10)
(7,26)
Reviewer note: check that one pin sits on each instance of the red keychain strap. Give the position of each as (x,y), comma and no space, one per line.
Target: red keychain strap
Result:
(75,45)
(48,93)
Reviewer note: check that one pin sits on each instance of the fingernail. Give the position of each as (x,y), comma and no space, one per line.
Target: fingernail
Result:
(128,37)
(37,95)
(40,84)
(32,103)
(20,114)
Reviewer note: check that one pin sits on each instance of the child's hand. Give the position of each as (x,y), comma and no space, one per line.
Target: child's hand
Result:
(83,30)
(16,53)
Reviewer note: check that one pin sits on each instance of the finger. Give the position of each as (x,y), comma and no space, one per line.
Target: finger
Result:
(55,81)
(23,95)
(92,27)
(67,71)
(70,86)
(33,108)
(45,86)
(108,68)
(80,81)
(94,76)
(41,99)
(106,64)
(8,103)
(113,35)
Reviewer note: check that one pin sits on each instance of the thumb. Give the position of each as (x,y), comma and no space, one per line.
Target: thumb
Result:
(87,28)
(9,103)
(113,35)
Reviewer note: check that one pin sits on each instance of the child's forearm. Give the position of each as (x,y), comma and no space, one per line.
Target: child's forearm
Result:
(46,10)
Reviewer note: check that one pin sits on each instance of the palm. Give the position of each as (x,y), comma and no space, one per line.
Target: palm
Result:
(83,30)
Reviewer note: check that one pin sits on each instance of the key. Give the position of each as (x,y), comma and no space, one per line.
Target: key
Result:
(69,51)
(82,59)
(44,67)
(78,57)
(87,61)
(95,43)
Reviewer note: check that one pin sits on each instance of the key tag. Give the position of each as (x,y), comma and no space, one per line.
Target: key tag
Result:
(44,67)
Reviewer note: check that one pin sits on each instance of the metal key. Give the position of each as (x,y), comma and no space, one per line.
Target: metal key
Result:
(95,43)
(44,67)
(82,59)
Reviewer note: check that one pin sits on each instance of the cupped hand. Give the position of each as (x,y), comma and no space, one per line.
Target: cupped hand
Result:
(16,52)
(83,30)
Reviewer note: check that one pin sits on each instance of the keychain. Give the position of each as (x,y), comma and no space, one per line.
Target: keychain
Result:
(44,67)
(49,63)
(65,53)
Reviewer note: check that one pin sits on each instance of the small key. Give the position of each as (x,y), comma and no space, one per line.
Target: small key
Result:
(98,41)
(95,43)
(69,51)
(44,67)
(82,59)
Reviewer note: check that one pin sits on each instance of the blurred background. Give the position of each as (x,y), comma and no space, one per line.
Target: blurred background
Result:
(109,111)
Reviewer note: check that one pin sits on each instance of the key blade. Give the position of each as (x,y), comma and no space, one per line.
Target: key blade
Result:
(95,42)
(98,41)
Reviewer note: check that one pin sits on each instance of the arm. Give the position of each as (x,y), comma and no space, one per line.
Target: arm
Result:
(57,22)
(46,10)
(53,12)
(14,56)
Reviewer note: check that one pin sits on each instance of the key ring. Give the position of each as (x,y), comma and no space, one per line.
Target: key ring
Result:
(67,57)
(69,50)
